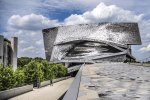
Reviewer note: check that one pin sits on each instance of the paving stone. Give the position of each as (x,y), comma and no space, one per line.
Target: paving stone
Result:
(117,81)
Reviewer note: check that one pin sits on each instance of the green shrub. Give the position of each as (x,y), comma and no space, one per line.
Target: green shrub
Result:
(6,77)
(19,77)
(21,62)
(58,70)
(54,70)
(33,71)
(46,70)
(62,70)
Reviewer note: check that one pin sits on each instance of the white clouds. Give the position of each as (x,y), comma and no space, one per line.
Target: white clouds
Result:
(148,35)
(145,49)
(22,42)
(39,42)
(30,22)
(101,13)
(144,26)
(28,49)
(29,27)
(104,13)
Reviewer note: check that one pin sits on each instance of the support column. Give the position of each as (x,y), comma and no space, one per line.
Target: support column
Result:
(129,48)
(14,45)
(66,64)
(1,48)
(5,54)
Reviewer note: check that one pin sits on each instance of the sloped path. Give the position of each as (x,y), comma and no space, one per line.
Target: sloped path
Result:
(46,93)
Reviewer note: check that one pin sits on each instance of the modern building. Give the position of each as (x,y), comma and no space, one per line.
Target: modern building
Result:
(91,42)
(8,51)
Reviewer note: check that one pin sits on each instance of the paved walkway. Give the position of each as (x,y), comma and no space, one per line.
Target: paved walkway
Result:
(114,81)
(46,93)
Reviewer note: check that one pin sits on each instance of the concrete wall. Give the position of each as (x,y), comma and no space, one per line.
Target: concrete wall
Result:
(60,79)
(8,51)
(1,49)
(15,91)
(45,83)
(14,45)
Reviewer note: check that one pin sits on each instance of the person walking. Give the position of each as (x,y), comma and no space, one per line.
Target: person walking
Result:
(38,83)
(51,82)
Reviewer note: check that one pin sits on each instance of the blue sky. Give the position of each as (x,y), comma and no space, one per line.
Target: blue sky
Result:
(26,18)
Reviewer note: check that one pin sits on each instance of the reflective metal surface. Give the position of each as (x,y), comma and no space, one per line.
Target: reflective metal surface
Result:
(87,40)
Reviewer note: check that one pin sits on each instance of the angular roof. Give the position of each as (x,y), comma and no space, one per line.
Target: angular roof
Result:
(59,40)
(119,33)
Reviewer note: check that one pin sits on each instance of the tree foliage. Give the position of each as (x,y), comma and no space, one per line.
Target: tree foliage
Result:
(33,71)
(6,77)
(58,70)
(47,70)
(19,77)
(21,62)
(30,70)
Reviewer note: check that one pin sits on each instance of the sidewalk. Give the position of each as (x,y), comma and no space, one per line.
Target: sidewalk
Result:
(46,93)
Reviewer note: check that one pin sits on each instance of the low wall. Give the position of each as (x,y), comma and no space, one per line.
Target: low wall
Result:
(72,92)
(60,79)
(140,64)
(45,83)
(15,91)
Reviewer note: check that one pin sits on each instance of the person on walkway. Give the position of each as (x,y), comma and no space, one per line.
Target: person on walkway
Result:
(38,83)
(51,82)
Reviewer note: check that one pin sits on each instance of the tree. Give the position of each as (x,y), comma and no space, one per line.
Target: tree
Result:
(39,59)
(33,71)
(19,77)
(46,70)
(58,70)
(23,61)
(62,70)
(6,77)
(54,70)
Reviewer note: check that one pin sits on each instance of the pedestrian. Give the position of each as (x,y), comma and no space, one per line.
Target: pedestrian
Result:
(51,82)
(38,83)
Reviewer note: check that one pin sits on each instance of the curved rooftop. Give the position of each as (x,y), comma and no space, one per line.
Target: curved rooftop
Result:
(120,33)
(62,42)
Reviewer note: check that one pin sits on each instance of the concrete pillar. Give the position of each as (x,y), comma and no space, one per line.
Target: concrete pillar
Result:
(129,49)
(5,53)
(66,64)
(1,48)
(14,45)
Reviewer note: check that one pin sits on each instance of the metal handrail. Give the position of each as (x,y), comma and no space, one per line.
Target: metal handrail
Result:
(72,93)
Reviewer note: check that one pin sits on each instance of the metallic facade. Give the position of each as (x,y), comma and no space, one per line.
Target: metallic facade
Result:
(91,42)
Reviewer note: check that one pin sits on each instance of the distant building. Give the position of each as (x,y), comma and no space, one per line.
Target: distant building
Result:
(8,51)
